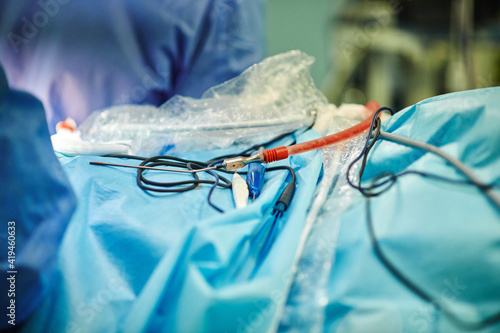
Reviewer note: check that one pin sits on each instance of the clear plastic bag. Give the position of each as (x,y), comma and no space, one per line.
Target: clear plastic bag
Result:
(275,96)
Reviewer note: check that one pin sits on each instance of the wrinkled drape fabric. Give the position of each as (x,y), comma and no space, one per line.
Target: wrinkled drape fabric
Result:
(138,262)
(441,236)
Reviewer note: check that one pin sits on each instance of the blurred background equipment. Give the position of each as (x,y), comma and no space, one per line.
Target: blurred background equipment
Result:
(394,51)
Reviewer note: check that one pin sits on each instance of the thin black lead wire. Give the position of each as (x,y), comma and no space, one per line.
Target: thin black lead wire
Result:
(455,319)
(171,187)
(397,274)
(368,137)
(392,177)
(179,187)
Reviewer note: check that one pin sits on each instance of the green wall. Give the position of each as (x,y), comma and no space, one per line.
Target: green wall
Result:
(303,25)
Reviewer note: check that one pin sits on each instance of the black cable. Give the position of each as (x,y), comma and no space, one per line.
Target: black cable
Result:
(368,193)
(285,198)
(465,325)
(147,184)
(171,161)
(188,185)
(392,177)
(284,167)
(167,187)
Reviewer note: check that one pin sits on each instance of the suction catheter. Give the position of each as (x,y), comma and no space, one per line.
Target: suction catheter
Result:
(281,153)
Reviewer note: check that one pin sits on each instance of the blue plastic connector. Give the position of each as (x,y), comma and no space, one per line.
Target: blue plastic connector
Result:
(255,179)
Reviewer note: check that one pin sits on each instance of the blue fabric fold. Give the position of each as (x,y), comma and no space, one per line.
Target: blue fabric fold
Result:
(442,236)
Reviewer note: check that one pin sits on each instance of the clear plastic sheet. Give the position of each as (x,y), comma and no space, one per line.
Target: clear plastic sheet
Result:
(275,96)
(304,311)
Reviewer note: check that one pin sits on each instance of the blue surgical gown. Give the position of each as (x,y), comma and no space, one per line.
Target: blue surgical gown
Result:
(36,203)
(79,56)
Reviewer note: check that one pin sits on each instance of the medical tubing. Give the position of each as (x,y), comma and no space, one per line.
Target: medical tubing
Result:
(488,190)
(391,177)
(216,183)
(281,153)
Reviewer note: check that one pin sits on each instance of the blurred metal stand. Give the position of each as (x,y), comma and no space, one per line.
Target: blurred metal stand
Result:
(400,52)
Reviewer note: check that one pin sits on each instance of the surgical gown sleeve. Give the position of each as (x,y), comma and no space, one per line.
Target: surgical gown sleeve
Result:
(36,202)
(80,56)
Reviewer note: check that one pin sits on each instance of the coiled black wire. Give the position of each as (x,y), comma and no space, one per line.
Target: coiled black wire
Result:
(147,184)
(171,161)
(179,186)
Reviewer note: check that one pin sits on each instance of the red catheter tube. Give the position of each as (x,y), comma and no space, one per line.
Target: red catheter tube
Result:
(282,153)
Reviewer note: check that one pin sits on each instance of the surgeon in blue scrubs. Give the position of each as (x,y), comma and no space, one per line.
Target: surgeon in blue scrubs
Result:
(80,56)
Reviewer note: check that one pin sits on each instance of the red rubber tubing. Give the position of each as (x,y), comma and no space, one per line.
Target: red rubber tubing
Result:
(282,153)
